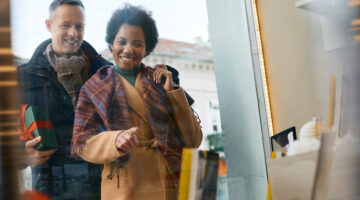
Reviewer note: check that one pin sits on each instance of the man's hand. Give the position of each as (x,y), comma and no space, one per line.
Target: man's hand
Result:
(127,141)
(161,71)
(34,157)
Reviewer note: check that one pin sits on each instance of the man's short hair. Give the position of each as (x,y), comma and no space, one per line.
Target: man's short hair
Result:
(57,3)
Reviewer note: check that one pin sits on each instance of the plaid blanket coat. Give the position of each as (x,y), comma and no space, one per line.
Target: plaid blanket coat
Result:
(102,106)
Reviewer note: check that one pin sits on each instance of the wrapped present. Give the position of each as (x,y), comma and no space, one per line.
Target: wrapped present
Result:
(34,122)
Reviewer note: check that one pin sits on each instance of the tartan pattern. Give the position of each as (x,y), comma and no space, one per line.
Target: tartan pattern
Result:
(102,106)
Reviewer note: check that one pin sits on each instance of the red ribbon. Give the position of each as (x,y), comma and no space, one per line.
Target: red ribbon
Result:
(26,132)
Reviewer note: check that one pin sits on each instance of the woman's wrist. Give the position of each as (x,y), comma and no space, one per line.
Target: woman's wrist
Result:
(119,149)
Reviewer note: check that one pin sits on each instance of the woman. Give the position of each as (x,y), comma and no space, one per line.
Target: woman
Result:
(132,118)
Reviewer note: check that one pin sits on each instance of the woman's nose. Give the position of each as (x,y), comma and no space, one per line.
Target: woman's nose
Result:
(128,48)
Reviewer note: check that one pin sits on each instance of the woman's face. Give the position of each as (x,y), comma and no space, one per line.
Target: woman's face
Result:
(128,48)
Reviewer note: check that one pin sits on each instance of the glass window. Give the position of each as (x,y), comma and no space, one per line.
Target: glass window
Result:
(137,115)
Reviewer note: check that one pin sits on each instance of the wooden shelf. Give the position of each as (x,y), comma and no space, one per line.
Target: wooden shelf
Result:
(293,177)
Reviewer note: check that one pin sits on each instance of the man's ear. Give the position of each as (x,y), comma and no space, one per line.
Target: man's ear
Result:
(48,25)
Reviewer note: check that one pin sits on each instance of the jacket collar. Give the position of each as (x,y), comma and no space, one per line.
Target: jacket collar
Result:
(38,60)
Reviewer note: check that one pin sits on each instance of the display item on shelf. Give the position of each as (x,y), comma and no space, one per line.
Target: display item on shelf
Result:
(309,137)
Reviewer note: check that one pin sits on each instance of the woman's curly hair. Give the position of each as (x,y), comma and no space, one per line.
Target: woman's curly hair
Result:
(136,16)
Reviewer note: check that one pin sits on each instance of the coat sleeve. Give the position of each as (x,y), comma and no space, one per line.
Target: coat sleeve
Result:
(100,148)
(91,141)
(185,119)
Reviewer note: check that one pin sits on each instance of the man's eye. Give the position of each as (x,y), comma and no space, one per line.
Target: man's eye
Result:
(122,42)
(65,26)
(79,27)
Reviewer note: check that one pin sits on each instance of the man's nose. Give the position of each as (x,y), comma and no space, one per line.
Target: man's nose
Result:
(73,32)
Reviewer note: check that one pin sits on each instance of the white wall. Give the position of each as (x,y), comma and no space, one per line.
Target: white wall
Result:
(298,68)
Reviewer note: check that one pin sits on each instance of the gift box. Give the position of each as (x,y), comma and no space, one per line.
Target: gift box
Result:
(35,121)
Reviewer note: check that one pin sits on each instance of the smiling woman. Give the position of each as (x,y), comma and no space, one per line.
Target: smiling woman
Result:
(128,48)
(130,120)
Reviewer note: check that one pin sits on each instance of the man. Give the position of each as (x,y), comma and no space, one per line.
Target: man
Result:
(52,79)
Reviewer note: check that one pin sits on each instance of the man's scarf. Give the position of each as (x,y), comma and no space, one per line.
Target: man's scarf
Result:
(72,70)
(102,103)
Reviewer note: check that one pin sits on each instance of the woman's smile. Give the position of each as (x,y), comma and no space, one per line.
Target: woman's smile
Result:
(128,48)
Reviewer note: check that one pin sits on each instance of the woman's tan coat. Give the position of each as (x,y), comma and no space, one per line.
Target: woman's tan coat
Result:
(143,175)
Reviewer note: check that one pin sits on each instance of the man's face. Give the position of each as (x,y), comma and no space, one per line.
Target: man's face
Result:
(66,25)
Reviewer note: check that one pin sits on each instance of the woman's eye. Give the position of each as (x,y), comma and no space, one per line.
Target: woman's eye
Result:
(138,44)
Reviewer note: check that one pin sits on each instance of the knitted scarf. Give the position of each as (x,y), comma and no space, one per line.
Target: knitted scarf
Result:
(72,70)
(102,106)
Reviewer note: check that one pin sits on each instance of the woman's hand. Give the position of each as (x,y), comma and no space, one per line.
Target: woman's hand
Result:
(34,157)
(127,141)
(161,71)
